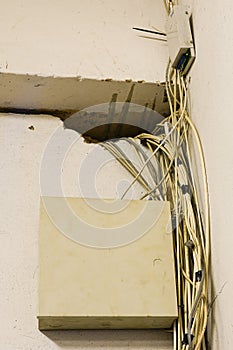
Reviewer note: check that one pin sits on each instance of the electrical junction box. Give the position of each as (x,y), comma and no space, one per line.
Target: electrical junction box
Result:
(105,264)
(179,38)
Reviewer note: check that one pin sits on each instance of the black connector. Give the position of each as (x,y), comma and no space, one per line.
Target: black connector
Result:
(185,189)
(190,244)
(198,276)
(185,340)
(184,60)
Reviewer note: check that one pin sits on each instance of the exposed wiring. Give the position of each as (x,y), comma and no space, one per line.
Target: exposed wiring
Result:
(166,172)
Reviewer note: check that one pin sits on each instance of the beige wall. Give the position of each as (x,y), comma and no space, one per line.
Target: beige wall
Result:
(211,105)
(22,150)
(43,38)
(87,39)
(91,38)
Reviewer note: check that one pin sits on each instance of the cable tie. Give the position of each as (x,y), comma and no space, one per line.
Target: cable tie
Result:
(189,244)
(185,340)
(198,276)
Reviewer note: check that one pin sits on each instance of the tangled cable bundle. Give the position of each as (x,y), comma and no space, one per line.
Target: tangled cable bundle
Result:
(167,174)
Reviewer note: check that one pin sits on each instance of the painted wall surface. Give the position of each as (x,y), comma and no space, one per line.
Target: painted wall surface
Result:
(23,141)
(91,39)
(87,39)
(211,106)
(39,41)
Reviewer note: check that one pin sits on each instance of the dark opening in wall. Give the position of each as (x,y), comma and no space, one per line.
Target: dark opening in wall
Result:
(114,120)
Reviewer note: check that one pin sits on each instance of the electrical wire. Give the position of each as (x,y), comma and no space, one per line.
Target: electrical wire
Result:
(166,172)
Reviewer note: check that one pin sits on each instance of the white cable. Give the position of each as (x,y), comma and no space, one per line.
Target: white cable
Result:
(170,166)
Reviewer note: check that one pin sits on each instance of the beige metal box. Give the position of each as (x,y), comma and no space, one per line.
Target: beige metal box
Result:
(105,264)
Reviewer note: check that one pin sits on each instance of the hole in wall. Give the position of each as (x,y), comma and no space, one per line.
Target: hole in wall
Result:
(97,128)
(115,120)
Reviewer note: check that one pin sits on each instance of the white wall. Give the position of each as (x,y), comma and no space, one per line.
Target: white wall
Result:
(23,48)
(92,38)
(211,104)
(71,54)
(22,150)
(89,39)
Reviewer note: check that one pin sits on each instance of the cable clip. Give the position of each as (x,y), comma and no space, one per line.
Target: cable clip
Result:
(190,244)
(185,189)
(185,340)
(198,276)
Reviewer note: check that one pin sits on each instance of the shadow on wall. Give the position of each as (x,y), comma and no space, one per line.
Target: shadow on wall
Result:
(106,339)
